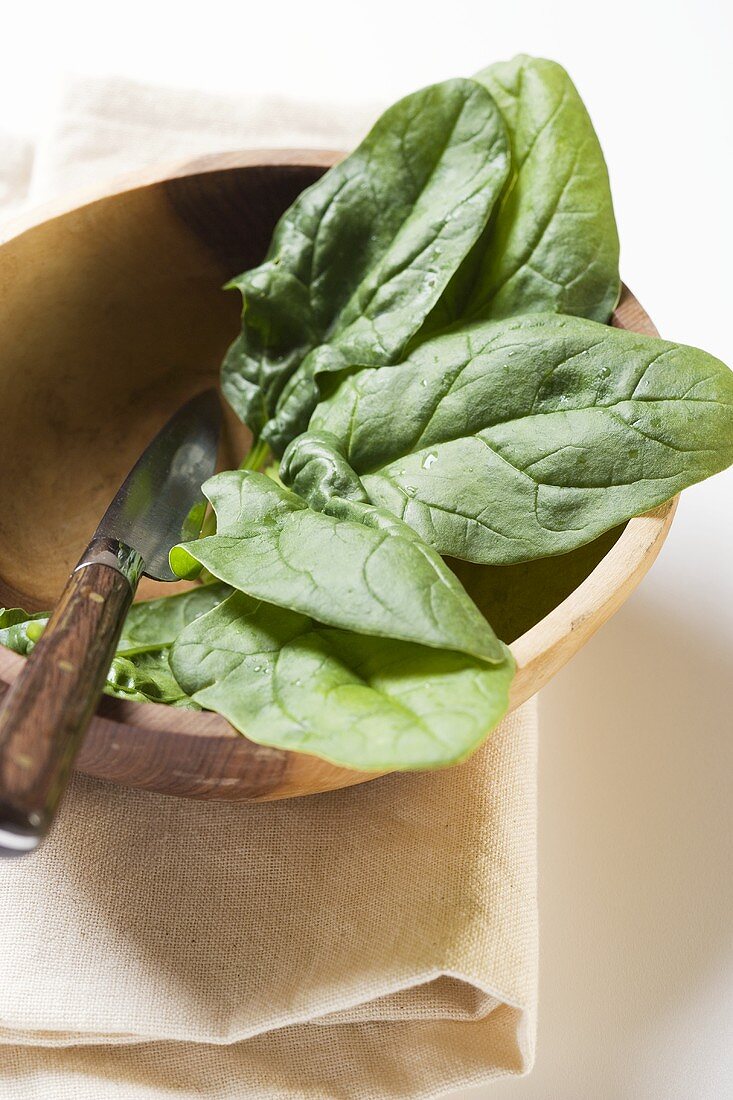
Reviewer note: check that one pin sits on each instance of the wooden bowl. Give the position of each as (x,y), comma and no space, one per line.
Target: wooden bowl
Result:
(111,315)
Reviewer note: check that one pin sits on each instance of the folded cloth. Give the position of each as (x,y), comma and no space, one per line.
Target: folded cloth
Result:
(16,162)
(378,941)
(103,128)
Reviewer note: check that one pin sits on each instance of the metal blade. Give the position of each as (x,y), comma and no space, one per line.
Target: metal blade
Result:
(160,502)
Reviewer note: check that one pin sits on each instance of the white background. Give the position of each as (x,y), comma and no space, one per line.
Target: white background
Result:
(636,761)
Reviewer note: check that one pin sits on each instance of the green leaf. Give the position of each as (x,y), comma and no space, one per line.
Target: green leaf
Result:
(352,566)
(20,630)
(555,243)
(552,244)
(369,703)
(154,624)
(526,438)
(362,256)
(140,669)
(146,677)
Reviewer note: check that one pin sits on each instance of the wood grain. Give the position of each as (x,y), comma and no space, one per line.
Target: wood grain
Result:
(45,715)
(128,321)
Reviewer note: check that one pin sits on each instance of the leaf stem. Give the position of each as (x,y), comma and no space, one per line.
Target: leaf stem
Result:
(256,456)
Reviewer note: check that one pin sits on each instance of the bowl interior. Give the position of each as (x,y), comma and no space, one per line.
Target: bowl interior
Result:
(111,315)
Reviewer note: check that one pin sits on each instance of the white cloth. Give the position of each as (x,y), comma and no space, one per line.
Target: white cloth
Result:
(16,162)
(375,942)
(103,128)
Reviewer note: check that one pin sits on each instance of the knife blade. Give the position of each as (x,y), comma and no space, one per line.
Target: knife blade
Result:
(45,715)
(151,508)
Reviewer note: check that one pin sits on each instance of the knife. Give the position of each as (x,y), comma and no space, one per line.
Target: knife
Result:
(46,713)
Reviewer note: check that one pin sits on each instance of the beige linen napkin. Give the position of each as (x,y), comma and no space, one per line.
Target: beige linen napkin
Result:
(16,160)
(375,942)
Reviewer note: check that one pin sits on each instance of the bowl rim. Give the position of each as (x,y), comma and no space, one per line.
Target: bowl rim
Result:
(540,652)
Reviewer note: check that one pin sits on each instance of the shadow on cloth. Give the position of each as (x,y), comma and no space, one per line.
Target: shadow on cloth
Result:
(635,824)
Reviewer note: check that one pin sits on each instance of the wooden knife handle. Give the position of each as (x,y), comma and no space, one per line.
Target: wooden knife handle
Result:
(46,713)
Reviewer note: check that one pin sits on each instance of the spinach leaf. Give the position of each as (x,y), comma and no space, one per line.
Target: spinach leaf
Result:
(375,704)
(552,244)
(154,624)
(362,256)
(20,630)
(351,566)
(515,440)
(140,669)
(146,677)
